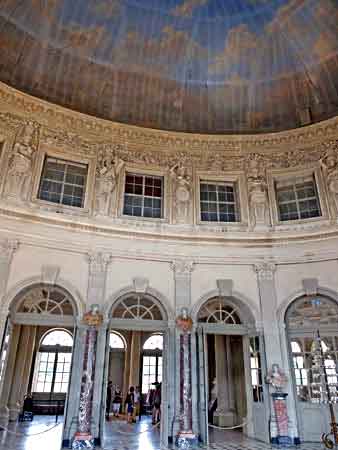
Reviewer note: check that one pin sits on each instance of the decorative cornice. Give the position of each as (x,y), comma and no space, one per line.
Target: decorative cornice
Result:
(265,270)
(54,116)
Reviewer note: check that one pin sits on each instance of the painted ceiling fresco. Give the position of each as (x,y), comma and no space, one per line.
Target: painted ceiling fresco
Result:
(208,66)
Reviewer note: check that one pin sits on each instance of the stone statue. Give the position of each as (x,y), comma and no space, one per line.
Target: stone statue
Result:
(182,193)
(184,321)
(19,175)
(277,378)
(93,317)
(258,200)
(108,171)
(330,168)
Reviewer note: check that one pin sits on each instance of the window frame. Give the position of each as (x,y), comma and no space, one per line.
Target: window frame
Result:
(47,152)
(236,178)
(143,171)
(217,202)
(55,350)
(292,175)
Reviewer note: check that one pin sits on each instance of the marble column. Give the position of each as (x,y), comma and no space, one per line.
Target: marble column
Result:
(83,437)
(135,352)
(19,380)
(126,373)
(182,270)
(225,414)
(185,437)
(8,374)
(275,349)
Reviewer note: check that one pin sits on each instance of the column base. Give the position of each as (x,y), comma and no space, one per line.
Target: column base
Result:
(282,441)
(186,440)
(83,440)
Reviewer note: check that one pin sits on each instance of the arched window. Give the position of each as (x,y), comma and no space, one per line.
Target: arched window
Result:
(52,368)
(312,329)
(116,341)
(154,342)
(138,307)
(219,310)
(152,362)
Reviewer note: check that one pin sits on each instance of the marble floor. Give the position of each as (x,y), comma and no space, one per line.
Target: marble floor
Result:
(120,436)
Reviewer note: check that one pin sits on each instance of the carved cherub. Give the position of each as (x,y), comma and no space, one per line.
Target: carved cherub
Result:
(329,164)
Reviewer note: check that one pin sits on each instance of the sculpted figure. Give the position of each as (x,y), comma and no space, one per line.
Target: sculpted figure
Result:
(182,192)
(259,213)
(330,168)
(21,163)
(109,169)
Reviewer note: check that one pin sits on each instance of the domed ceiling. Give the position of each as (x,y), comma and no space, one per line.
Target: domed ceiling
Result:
(207,66)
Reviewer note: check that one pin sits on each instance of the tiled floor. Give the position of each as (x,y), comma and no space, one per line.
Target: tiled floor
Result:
(121,436)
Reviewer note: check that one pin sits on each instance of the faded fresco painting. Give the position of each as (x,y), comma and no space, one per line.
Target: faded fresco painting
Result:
(209,66)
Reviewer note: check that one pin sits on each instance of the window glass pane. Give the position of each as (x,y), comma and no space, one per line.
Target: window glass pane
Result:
(142,196)
(218,203)
(154,342)
(63,182)
(297,201)
(115,341)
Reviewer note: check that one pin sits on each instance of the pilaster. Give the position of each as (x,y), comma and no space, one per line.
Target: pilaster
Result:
(182,270)
(272,335)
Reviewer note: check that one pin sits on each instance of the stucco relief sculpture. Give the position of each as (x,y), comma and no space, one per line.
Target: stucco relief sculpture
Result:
(181,193)
(19,176)
(329,165)
(108,170)
(257,187)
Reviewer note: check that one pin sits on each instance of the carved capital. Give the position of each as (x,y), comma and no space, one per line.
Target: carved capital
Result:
(182,267)
(265,270)
(7,249)
(98,261)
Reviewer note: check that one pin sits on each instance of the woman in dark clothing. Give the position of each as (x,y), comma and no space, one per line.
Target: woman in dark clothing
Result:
(130,403)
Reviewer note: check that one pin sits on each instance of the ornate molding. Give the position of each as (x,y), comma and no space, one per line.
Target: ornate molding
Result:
(98,261)
(76,122)
(265,270)
(7,249)
(182,267)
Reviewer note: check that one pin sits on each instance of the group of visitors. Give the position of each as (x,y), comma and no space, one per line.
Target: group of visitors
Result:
(133,402)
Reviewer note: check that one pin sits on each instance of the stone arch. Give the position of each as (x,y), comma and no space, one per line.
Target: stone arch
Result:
(156,296)
(247,311)
(12,297)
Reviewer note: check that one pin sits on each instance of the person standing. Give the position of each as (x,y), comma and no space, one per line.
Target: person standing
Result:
(137,398)
(108,399)
(117,400)
(130,402)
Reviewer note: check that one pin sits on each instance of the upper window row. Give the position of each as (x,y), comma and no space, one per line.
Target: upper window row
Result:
(64,183)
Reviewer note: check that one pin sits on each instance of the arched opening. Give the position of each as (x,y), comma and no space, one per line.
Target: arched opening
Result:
(312,330)
(37,367)
(227,358)
(138,323)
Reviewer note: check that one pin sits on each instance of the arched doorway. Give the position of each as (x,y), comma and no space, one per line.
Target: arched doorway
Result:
(312,330)
(38,349)
(142,322)
(231,371)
